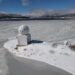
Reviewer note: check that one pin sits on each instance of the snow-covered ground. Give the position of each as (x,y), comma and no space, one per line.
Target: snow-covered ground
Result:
(50,31)
(60,55)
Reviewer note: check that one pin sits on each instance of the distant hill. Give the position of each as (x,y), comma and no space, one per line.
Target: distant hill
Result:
(40,15)
(6,16)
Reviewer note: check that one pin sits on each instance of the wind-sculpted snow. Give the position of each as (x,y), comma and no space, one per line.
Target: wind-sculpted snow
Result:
(60,56)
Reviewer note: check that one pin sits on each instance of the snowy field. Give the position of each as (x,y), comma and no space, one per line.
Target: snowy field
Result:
(40,30)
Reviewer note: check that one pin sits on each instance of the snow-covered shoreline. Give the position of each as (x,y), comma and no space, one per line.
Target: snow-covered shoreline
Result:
(60,56)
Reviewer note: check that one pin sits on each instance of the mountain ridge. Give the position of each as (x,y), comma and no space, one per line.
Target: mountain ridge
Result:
(40,15)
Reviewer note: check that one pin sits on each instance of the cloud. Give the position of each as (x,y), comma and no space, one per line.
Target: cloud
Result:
(42,12)
(25,2)
(71,11)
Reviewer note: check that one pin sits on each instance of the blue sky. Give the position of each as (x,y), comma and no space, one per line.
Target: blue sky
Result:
(23,6)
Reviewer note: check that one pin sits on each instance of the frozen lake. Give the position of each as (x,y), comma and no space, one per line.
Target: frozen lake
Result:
(51,30)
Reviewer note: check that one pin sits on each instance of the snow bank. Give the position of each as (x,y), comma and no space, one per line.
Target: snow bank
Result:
(60,55)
